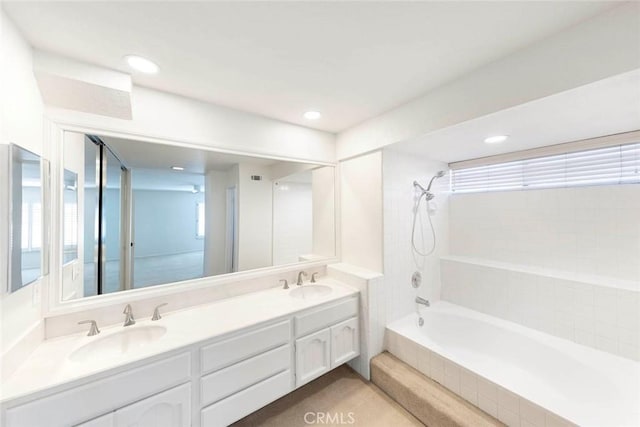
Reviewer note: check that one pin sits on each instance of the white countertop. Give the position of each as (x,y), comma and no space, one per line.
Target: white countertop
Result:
(49,365)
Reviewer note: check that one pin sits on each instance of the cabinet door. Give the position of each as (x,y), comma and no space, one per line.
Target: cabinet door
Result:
(345,342)
(103,421)
(313,356)
(171,408)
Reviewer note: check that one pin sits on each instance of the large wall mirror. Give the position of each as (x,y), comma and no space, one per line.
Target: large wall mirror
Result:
(26,228)
(138,214)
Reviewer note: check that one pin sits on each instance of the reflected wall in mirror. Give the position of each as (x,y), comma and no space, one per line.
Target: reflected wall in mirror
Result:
(153,214)
(26,229)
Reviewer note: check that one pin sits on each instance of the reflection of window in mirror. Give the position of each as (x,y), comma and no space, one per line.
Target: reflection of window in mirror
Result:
(70,217)
(200,220)
(26,231)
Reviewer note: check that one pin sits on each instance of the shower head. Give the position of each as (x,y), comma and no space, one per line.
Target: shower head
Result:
(440,174)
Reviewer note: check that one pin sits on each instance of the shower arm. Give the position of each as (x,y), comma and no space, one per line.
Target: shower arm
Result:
(417,184)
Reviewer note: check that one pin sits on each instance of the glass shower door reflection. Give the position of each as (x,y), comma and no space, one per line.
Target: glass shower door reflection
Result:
(111,254)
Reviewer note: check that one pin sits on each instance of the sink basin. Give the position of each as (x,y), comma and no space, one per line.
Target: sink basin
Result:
(118,344)
(310,291)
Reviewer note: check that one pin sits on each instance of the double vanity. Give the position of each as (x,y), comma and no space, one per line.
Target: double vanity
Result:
(208,365)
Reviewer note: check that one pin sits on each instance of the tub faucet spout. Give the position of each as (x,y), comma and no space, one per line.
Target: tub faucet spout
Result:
(423,301)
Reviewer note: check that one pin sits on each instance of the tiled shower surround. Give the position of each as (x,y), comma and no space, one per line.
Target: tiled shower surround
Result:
(592,230)
(563,261)
(583,311)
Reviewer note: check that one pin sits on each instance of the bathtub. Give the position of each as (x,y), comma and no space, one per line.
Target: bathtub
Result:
(521,376)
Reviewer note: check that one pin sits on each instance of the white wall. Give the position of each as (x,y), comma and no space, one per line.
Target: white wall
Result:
(165,223)
(73,160)
(361,211)
(215,223)
(324,214)
(292,221)
(174,118)
(563,261)
(255,213)
(399,172)
(564,61)
(21,118)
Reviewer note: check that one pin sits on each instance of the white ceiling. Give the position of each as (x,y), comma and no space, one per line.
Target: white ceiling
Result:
(349,60)
(605,107)
(147,155)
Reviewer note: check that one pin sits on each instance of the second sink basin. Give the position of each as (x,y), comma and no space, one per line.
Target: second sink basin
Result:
(310,291)
(118,343)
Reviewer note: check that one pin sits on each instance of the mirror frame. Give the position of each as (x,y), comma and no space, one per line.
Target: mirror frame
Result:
(57,306)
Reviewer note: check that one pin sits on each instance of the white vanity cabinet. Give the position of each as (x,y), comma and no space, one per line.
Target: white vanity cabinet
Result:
(334,342)
(345,342)
(313,356)
(108,420)
(171,408)
(210,383)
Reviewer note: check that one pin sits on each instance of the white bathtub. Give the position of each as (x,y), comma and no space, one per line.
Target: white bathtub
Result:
(585,386)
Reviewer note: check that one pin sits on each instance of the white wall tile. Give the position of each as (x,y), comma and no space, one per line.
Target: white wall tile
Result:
(584,230)
(597,316)
(508,417)
(487,405)
(452,376)
(532,414)
(487,389)
(436,369)
(424,361)
(508,400)
(399,195)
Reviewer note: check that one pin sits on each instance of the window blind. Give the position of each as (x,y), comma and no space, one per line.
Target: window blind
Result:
(609,165)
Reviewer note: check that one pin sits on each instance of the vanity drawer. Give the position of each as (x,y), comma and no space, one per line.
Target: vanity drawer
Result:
(326,316)
(99,397)
(233,350)
(247,401)
(237,377)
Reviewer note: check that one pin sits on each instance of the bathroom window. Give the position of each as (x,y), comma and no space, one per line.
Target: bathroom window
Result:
(200,220)
(70,224)
(618,164)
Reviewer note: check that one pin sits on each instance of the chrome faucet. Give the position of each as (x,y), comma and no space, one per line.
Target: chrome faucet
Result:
(128,319)
(300,276)
(93,329)
(156,312)
(286,283)
(423,301)
(313,277)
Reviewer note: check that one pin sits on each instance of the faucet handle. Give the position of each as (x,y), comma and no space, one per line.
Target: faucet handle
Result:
(127,309)
(313,277)
(93,329)
(156,312)
(286,283)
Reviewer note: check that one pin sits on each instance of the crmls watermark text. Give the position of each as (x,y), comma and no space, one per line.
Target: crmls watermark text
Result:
(329,418)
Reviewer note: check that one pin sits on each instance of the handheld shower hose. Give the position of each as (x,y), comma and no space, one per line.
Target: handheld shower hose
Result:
(428,195)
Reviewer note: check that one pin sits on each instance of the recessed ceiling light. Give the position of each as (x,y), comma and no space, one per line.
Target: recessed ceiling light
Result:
(141,64)
(312,115)
(177,168)
(496,139)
